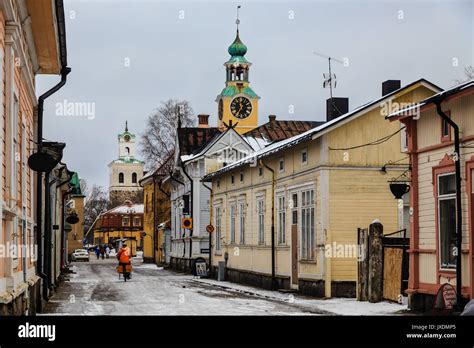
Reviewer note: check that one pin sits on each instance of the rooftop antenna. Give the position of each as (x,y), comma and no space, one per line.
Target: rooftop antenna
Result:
(330,78)
(237,21)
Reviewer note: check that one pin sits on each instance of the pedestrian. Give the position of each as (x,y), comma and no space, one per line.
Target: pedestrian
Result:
(97,252)
(102,252)
(107,252)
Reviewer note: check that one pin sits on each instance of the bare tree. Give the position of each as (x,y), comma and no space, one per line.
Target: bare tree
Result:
(468,72)
(158,141)
(96,203)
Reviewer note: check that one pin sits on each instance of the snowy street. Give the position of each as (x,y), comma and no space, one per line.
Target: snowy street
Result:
(95,289)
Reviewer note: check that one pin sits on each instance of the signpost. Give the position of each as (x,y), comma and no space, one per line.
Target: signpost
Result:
(446,298)
(200,267)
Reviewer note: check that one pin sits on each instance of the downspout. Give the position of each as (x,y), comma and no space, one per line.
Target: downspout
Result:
(210,223)
(153,205)
(63,233)
(457,163)
(190,210)
(273,223)
(65,70)
(182,183)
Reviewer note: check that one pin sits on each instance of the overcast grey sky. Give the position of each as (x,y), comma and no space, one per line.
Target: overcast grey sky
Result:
(174,57)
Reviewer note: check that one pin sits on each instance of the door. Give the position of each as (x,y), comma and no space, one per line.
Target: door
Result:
(471,236)
(294,240)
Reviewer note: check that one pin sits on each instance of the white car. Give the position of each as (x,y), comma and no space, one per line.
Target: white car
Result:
(80,254)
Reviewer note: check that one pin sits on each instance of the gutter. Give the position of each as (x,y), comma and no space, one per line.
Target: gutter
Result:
(65,70)
(457,162)
(273,223)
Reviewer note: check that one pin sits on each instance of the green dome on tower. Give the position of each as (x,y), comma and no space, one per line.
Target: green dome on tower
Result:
(237,48)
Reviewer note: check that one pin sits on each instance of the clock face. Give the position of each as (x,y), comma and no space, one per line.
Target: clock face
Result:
(127,137)
(221,109)
(241,107)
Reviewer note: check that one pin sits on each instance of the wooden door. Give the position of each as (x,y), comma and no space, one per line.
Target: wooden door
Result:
(294,254)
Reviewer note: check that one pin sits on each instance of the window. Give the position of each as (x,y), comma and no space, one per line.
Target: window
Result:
(127,151)
(146,202)
(125,221)
(294,208)
(447,220)
(304,157)
(281,220)
(218,183)
(445,128)
(260,172)
(403,138)
(242,222)
(241,177)
(261,221)
(134,178)
(233,209)
(232,179)
(15,148)
(137,221)
(307,225)
(121,178)
(281,165)
(218,228)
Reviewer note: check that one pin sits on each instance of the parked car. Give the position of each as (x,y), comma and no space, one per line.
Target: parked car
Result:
(80,254)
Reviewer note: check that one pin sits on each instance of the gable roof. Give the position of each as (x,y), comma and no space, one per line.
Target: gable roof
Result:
(315,132)
(277,130)
(438,96)
(192,139)
(162,169)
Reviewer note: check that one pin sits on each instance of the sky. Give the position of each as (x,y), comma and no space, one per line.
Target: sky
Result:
(127,56)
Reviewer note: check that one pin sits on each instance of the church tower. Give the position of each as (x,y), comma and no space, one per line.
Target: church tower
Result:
(125,172)
(237,103)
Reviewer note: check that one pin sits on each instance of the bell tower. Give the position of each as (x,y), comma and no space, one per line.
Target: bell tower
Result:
(237,103)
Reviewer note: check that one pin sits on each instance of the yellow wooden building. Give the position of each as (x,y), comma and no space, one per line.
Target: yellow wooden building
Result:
(302,199)
(156,210)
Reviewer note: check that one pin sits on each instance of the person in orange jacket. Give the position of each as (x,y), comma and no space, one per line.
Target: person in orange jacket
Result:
(124,257)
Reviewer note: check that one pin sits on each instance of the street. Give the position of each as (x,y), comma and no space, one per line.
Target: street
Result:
(95,289)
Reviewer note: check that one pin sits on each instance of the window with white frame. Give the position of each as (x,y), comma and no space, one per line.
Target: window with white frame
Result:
(137,221)
(233,214)
(281,165)
(125,221)
(403,138)
(447,219)
(307,225)
(242,222)
(261,220)
(281,220)
(304,156)
(218,228)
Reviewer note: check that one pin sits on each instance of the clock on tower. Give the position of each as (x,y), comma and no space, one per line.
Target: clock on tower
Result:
(238,103)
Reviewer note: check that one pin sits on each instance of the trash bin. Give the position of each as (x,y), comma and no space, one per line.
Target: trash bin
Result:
(221,271)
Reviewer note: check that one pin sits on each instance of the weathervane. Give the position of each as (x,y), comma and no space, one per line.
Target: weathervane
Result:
(237,21)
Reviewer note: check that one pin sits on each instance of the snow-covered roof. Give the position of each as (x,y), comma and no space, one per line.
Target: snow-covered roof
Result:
(127,209)
(408,111)
(312,133)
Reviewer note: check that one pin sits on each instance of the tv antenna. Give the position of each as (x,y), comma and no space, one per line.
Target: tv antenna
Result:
(330,78)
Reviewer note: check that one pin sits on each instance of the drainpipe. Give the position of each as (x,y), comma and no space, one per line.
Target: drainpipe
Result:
(457,163)
(160,182)
(273,223)
(190,210)
(210,223)
(153,206)
(182,183)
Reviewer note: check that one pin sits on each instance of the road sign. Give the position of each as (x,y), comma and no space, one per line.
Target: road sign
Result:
(187,223)
(209,228)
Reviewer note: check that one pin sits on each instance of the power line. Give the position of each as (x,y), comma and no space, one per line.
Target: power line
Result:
(375,142)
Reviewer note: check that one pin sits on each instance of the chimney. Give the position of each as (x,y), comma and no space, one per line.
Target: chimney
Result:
(389,86)
(203,121)
(271,118)
(338,107)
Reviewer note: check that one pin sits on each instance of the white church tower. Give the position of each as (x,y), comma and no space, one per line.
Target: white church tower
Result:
(126,172)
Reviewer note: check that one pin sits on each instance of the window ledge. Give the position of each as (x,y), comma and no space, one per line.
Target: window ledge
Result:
(311,262)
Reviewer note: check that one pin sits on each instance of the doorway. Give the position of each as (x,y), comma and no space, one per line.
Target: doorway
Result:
(294,240)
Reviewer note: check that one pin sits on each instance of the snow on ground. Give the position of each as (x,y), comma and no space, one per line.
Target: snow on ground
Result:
(338,306)
(95,289)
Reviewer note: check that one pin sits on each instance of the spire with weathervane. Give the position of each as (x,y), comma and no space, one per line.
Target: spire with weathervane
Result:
(238,103)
